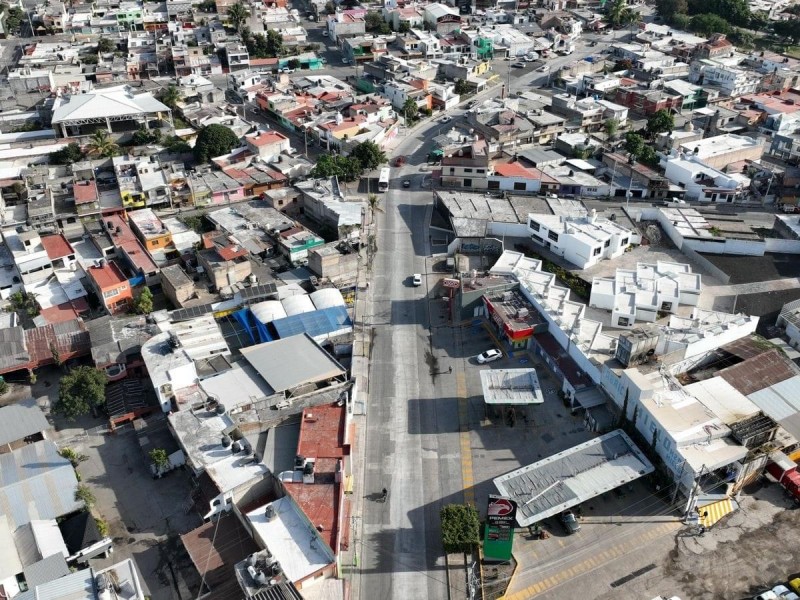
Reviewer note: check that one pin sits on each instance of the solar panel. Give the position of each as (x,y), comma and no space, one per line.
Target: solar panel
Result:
(258,292)
(186,314)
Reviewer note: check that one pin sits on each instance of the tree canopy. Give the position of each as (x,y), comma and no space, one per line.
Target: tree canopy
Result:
(369,155)
(640,150)
(264,46)
(736,12)
(101,144)
(660,122)
(460,527)
(71,153)
(82,389)
(237,15)
(345,168)
(410,110)
(143,304)
(170,95)
(707,24)
(374,23)
(789,29)
(214,140)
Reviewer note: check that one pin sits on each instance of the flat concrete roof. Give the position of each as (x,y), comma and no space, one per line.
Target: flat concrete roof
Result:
(511,386)
(559,482)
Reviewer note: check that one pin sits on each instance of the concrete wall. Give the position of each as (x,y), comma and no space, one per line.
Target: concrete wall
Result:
(707,266)
(783,246)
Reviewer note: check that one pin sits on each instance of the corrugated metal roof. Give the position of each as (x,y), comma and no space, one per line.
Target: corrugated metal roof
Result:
(781,402)
(48,569)
(75,586)
(759,372)
(559,482)
(36,483)
(18,421)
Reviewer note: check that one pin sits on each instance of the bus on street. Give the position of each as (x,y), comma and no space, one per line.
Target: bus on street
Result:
(383,182)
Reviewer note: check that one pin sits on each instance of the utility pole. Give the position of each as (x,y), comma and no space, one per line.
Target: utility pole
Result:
(693,494)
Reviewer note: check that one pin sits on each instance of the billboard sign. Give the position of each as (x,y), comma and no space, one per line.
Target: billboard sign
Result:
(498,537)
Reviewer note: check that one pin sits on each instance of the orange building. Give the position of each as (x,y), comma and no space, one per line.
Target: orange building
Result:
(111,286)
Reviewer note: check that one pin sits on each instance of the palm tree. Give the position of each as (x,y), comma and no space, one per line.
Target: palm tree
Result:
(101,144)
(374,202)
(170,96)
(237,15)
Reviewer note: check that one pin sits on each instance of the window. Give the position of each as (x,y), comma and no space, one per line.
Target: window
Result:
(537,239)
(533,225)
(111,293)
(155,242)
(452,171)
(666,306)
(480,171)
(607,244)
(624,242)
(467,170)
(623,322)
(520,186)
(552,235)
(494,185)
(468,183)
(597,251)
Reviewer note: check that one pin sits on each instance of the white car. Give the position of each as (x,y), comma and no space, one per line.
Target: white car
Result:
(445,119)
(416,279)
(489,356)
(543,69)
(784,593)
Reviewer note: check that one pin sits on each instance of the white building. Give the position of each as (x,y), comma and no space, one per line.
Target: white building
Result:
(583,241)
(790,320)
(702,182)
(730,80)
(640,294)
(722,150)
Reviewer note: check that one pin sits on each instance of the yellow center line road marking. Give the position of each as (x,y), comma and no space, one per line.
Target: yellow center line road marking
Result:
(594,562)
(467,478)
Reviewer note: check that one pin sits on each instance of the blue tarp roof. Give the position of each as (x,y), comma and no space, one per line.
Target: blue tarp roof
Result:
(315,323)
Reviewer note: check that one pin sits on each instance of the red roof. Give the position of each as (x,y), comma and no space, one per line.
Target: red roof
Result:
(56,246)
(263,138)
(514,169)
(84,191)
(228,253)
(124,238)
(65,312)
(108,276)
(260,62)
(322,437)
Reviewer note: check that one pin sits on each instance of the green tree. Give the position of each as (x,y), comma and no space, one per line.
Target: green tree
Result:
(460,527)
(170,96)
(634,143)
(369,155)
(680,21)
(373,22)
(668,8)
(374,202)
(14,19)
(330,8)
(85,495)
(207,6)
(105,45)
(742,38)
(411,111)
(80,391)
(160,459)
(462,87)
(100,144)
(789,29)
(144,302)
(736,12)
(274,44)
(71,153)
(611,126)
(3,387)
(707,24)
(404,27)
(237,15)
(214,140)
(618,14)
(660,122)
(344,168)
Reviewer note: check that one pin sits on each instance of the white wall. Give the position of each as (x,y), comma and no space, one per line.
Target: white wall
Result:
(509,229)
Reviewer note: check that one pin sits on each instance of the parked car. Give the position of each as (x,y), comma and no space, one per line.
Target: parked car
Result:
(768,595)
(324,33)
(445,119)
(406,183)
(784,593)
(489,356)
(399,161)
(518,65)
(795,585)
(416,279)
(286,70)
(570,522)
(543,69)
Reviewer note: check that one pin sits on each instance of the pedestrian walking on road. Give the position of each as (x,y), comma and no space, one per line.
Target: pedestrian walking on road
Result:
(450,369)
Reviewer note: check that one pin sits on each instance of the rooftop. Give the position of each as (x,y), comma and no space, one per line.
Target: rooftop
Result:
(107,276)
(559,482)
(511,387)
(56,246)
(20,420)
(719,145)
(279,362)
(291,538)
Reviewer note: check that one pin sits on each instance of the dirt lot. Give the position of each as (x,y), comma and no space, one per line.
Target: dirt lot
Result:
(749,551)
